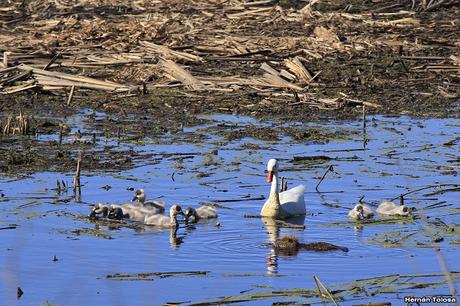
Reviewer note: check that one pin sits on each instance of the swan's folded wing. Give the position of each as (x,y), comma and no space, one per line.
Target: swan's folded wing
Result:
(292,200)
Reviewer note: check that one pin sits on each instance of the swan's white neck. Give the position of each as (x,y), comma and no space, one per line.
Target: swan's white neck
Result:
(274,190)
(272,207)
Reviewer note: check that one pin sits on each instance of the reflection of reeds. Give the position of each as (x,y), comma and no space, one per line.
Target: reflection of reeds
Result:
(18,126)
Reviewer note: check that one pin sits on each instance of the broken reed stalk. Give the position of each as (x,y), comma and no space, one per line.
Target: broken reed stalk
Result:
(22,123)
(330,168)
(5,59)
(364,118)
(320,285)
(76,179)
(58,186)
(51,62)
(6,129)
(12,127)
(60,134)
(318,289)
(72,91)
(365,140)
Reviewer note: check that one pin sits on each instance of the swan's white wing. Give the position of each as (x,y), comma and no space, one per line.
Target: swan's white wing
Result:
(292,201)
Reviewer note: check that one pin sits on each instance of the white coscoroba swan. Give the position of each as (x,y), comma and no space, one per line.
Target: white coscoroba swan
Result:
(286,204)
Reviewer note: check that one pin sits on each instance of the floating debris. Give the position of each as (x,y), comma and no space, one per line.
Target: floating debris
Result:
(152,275)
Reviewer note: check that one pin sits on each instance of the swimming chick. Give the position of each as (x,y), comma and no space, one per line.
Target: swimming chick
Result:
(165,221)
(391,209)
(193,215)
(99,210)
(157,206)
(360,212)
(116,213)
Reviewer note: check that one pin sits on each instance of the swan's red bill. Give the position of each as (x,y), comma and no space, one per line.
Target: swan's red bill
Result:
(269,176)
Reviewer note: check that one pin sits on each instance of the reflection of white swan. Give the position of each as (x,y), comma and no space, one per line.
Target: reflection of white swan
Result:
(273,230)
(285,204)
(157,206)
(391,209)
(193,215)
(162,220)
(360,212)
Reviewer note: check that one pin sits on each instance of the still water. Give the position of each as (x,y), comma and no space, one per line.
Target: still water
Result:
(401,154)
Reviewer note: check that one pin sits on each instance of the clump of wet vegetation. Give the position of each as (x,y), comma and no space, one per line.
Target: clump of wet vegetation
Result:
(256,132)
(357,290)
(275,132)
(314,135)
(31,155)
(432,233)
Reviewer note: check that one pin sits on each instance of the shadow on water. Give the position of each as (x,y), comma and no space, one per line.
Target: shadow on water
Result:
(222,163)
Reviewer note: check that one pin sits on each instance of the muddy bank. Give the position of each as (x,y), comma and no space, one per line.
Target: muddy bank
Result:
(281,59)
(172,61)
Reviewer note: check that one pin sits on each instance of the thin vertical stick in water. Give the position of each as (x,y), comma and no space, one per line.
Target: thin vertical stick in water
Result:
(365,140)
(58,186)
(330,168)
(364,118)
(76,179)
